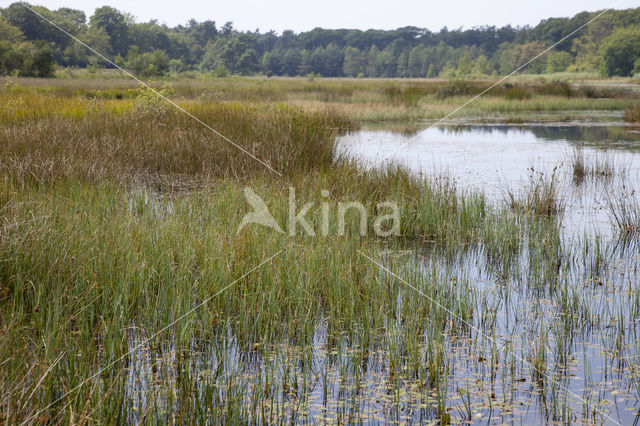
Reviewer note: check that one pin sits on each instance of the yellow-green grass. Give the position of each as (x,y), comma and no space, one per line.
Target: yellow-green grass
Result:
(47,137)
(366,100)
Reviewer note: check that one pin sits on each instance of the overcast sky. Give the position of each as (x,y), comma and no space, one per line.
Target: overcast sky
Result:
(299,16)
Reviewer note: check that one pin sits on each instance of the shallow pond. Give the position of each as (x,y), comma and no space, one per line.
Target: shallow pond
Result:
(584,328)
(500,160)
(549,335)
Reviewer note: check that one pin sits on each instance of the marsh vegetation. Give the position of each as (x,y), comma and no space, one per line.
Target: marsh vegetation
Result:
(127,293)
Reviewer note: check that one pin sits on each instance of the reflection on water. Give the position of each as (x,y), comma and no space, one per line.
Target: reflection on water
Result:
(501,159)
(598,136)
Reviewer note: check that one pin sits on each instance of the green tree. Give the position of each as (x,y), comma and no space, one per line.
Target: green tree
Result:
(221,71)
(270,63)
(620,52)
(290,62)
(37,60)
(32,26)
(505,58)
(148,64)
(464,66)
(352,62)
(417,61)
(586,47)
(448,71)
(36,29)
(158,63)
(176,66)
(401,70)
(431,72)
(334,60)
(558,61)
(115,24)
(10,33)
(248,62)
(25,58)
(135,62)
(404,52)
(73,16)
(202,32)
(481,66)
(211,57)
(97,38)
(524,53)
(371,69)
(305,64)
(387,63)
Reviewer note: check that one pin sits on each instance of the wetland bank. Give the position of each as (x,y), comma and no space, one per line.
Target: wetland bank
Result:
(128,294)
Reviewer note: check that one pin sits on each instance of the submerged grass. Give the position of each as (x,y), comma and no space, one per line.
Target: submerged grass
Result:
(542,197)
(591,166)
(624,211)
(91,270)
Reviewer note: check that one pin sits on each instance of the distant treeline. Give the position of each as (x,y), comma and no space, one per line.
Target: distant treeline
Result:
(30,46)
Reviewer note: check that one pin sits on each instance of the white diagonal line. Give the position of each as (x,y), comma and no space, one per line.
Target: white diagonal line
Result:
(486,336)
(153,336)
(563,39)
(181,109)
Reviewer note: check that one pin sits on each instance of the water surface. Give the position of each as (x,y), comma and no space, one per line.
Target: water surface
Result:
(584,315)
(499,159)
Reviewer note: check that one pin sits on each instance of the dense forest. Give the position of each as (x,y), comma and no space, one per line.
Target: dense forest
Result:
(30,46)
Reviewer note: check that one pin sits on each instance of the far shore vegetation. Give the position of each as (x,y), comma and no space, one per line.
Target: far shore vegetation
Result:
(30,46)
(391,102)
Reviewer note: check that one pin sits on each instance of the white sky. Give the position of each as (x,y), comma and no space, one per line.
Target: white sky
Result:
(299,16)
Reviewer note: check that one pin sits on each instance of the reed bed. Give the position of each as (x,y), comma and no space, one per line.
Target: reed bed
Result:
(91,271)
(128,294)
(147,137)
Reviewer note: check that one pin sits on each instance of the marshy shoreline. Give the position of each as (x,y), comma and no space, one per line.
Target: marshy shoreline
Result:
(127,293)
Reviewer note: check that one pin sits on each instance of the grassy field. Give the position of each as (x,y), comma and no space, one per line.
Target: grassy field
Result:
(373,101)
(127,293)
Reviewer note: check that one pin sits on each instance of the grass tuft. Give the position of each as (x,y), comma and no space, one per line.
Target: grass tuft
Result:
(541,198)
(624,212)
(595,166)
(632,114)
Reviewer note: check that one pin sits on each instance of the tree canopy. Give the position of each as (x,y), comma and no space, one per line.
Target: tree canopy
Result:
(621,52)
(610,44)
